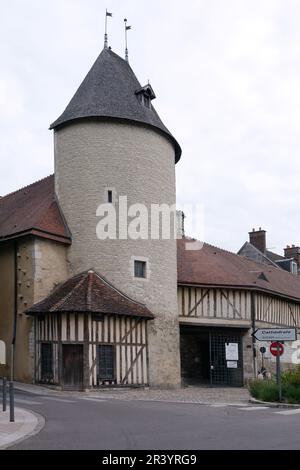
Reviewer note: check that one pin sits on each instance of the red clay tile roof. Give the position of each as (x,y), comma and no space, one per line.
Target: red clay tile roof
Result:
(211,266)
(33,210)
(88,292)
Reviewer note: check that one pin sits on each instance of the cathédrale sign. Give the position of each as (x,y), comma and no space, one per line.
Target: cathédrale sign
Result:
(275,334)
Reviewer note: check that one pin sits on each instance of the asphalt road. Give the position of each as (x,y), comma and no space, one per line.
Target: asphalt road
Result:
(85,423)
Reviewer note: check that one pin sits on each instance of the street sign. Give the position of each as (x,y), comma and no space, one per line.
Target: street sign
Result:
(276,349)
(2,353)
(275,334)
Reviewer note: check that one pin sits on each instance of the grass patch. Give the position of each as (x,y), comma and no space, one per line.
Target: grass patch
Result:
(267,390)
(291,377)
(291,393)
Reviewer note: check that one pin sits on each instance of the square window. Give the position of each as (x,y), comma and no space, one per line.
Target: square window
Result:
(140,269)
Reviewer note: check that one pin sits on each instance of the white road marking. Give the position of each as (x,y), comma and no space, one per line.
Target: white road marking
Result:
(254,408)
(288,412)
(27,402)
(218,406)
(93,399)
(59,399)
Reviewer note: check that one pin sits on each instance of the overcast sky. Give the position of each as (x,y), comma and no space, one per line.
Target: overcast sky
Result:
(227,78)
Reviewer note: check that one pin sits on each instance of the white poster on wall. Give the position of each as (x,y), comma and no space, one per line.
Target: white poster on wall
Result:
(232,351)
(232,365)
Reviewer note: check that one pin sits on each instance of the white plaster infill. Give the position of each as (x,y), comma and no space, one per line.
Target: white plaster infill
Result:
(26,424)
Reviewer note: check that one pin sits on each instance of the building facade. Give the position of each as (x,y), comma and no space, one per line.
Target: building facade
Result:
(78,310)
(222,299)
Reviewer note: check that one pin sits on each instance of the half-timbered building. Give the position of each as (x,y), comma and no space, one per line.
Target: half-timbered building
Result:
(89,334)
(78,311)
(222,299)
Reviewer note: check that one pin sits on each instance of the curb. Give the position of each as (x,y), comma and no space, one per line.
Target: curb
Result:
(39,426)
(273,404)
(35,389)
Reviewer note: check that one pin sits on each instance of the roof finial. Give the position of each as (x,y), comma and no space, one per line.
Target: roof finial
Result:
(127,28)
(105,35)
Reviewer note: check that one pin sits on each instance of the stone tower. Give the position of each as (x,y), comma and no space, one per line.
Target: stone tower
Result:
(110,142)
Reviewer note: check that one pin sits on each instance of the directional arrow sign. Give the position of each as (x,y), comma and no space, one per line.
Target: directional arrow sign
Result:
(275,334)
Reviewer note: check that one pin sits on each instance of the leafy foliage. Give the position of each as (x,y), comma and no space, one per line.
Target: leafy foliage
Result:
(291,377)
(267,390)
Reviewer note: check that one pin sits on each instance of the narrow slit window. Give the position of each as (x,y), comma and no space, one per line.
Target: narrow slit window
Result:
(106,362)
(140,269)
(46,363)
(109,197)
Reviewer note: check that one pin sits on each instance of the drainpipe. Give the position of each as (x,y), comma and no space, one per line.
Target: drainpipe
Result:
(253,329)
(13,343)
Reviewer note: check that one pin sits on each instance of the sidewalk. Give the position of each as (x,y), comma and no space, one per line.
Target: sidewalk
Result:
(26,424)
(200,395)
(194,395)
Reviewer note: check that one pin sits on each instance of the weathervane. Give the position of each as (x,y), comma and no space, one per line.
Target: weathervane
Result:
(105,35)
(127,28)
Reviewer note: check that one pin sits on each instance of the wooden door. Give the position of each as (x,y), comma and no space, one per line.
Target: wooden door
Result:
(72,366)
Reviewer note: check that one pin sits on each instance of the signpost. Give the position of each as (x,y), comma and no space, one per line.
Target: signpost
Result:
(276,349)
(276,335)
(263,352)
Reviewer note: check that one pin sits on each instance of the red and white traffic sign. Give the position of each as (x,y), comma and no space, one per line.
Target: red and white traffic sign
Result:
(276,349)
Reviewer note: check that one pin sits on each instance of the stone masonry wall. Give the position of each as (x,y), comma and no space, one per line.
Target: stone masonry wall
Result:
(137,162)
(42,264)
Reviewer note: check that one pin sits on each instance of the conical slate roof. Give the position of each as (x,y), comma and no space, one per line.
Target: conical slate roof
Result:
(109,91)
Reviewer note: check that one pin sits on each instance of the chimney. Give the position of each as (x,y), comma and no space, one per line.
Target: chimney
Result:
(257,238)
(293,252)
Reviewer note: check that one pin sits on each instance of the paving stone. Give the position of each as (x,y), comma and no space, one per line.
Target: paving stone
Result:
(26,424)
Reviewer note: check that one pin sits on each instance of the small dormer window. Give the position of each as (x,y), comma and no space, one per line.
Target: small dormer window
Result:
(147,101)
(146,95)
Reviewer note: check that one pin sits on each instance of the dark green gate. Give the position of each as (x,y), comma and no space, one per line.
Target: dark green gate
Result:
(224,371)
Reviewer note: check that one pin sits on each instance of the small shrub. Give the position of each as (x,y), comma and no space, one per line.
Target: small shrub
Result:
(291,393)
(269,391)
(254,387)
(265,390)
(291,377)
